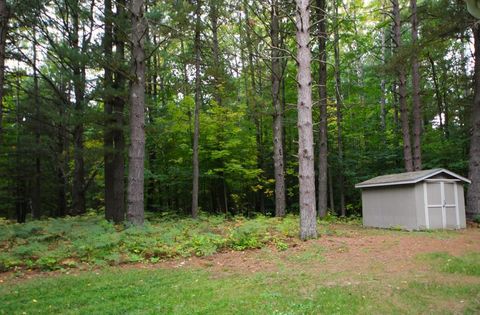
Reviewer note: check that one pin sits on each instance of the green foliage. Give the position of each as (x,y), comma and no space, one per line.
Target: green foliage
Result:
(69,242)
(236,144)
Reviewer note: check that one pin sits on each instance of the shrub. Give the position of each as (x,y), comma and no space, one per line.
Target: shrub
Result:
(476,218)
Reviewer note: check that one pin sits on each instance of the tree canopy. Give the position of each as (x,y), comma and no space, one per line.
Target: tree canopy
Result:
(221,85)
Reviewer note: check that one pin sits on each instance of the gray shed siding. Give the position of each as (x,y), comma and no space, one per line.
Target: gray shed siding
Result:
(392,206)
(404,206)
(420,207)
(428,199)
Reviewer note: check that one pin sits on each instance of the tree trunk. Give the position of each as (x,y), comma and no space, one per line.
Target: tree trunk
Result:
(395,106)
(417,106)
(198,100)
(135,211)
(20,191)
(278,113)
(217,73)
(306,170)
(152,183)
(338,99)
(36,192)
(62,156)
(473,194)
(78,193)
(4,16)
(61,169)
(114,106)
(108,109)
(438,95)
(383,88)
(402,91)
(255,110)
(119,122)
(330,190)
(322,93)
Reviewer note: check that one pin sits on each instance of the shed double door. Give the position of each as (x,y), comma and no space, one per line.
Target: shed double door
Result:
(441,204)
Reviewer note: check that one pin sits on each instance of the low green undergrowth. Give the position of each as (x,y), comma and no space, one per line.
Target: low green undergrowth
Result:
(468,264)
(90,240)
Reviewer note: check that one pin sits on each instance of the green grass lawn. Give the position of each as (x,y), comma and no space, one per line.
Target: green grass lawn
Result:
(193,291)
(261,269)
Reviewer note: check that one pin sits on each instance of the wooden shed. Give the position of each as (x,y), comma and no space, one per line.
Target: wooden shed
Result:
(429,199)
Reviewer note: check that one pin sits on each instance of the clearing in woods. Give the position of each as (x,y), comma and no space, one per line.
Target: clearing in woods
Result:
(349,270)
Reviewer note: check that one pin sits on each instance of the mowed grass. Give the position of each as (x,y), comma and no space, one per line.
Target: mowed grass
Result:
(468,264)
(194,291)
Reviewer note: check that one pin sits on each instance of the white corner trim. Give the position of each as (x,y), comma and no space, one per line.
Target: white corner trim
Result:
(457,211)
(444,210)
(425,203)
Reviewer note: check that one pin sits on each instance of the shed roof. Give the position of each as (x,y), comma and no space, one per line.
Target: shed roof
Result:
(407,178)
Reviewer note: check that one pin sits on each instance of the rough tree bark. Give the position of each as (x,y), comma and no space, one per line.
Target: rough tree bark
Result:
(322,93)
(62,163)
(36,190)
(402,89)
(417,106)
(21,189)
(198,100)
(114,105)
(4,16)
(108,108)
(338,99)
(306,170)
(438,95)
(255,107)
(383,88)
(78,66)
(135,210)
(277,74)
(216,52)
(118,116)
(473,194)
